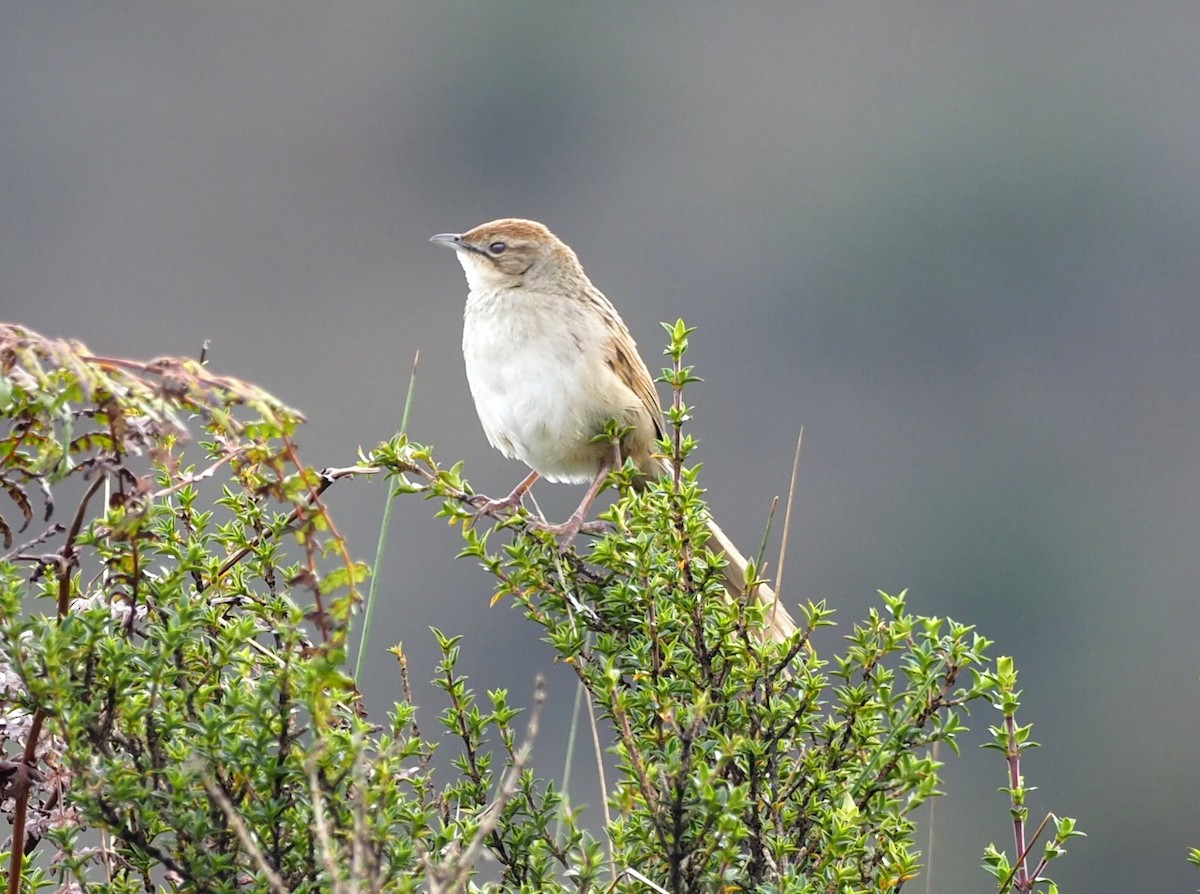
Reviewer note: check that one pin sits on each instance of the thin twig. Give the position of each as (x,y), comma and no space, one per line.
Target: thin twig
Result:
(451,877)
(358,844)
(19,553)
(1020,861)
(321,827)
(328,477)
(183,480)
(243,834)
(598,751)
(1037,870)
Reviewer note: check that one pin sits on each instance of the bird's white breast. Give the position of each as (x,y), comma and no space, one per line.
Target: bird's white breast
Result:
(533,382)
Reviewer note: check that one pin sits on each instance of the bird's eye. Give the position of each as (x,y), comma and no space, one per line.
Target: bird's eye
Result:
(498,248)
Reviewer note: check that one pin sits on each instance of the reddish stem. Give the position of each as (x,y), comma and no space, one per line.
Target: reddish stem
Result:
(1014,781)
(26,770)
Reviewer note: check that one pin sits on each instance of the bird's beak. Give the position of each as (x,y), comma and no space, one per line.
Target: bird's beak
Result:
(455,241)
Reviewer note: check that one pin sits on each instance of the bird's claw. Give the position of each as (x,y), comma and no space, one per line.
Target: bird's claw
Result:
(484,505)
(571,528)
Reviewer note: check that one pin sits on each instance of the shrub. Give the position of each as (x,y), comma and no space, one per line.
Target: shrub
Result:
(174,675)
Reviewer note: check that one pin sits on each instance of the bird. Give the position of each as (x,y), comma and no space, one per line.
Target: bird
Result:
(550,363)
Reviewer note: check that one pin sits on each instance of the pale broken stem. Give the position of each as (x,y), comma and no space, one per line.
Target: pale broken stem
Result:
(569,761)
(451,877)
(359,868)
(187,480)
(641,877)
(321,827)
(243,834)
(598,750)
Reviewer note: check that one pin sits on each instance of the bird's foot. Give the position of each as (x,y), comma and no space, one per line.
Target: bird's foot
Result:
(487,506)
(571,528)
(484,505)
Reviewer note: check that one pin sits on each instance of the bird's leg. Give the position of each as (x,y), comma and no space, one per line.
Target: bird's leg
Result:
(485,506)
(576,524)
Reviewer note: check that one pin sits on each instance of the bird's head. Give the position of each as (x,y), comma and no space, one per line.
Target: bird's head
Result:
(511,252)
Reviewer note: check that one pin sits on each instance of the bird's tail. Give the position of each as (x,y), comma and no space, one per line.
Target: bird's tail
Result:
(780,624)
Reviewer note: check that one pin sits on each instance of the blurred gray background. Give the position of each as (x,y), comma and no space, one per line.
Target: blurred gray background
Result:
(956,243)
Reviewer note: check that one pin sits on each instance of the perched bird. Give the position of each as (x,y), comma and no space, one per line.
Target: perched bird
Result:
(550,363)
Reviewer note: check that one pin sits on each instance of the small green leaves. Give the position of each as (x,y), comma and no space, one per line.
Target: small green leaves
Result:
(707,716)
(195,630)
(677,334)
(1012,740)
(179,658)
